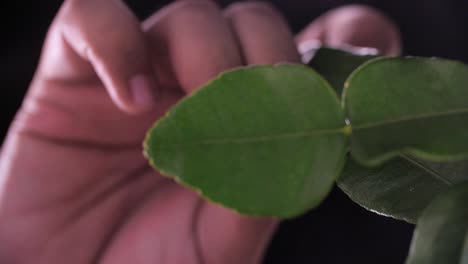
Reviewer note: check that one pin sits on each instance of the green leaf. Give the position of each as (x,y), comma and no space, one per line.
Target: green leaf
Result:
(408,105)
(441,235)
(401,188)
(336,65)
(265,140)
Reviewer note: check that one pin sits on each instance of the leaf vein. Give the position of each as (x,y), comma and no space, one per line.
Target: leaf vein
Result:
(413,117)
(264,138)
(428,170)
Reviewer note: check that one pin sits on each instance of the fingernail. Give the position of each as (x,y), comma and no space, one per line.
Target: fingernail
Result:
(308,48)
(143,90)
(359,50)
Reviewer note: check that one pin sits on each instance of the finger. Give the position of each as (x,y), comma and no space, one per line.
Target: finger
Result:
(244,239)
(191,43)
(262,32)
(355,25)
(192,39)
(91,37)
(257,26)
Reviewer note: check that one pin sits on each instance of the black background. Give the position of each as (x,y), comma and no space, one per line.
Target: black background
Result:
(338,231)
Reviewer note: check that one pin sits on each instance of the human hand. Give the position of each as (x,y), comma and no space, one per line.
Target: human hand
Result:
(74,186)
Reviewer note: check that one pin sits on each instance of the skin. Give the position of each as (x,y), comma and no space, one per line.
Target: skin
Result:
(74,186)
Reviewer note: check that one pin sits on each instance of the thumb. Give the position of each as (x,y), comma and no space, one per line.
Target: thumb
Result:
(354,25)
(103,39)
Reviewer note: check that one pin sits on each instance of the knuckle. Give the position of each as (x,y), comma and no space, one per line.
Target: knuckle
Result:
(71,14)
(360,14)
(252,8)
(191,7)
(71,8)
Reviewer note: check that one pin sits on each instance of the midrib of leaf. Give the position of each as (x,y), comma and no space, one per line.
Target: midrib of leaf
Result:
(264,138)
(410,118)
(428,170)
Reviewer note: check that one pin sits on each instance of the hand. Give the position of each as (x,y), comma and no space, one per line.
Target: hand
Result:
(74,186)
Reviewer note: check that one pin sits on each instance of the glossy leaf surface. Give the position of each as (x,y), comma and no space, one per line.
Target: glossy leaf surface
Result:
(441,235)
(408,105)
(265,140)
(400,188)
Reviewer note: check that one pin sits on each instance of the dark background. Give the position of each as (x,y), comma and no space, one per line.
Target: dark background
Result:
(338,231)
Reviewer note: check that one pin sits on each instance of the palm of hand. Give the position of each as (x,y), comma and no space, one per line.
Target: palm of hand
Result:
(77,189)
(97,198)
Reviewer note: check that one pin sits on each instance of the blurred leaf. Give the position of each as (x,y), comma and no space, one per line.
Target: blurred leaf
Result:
(402,187)
(336,65)
(441,233)
(265,140)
